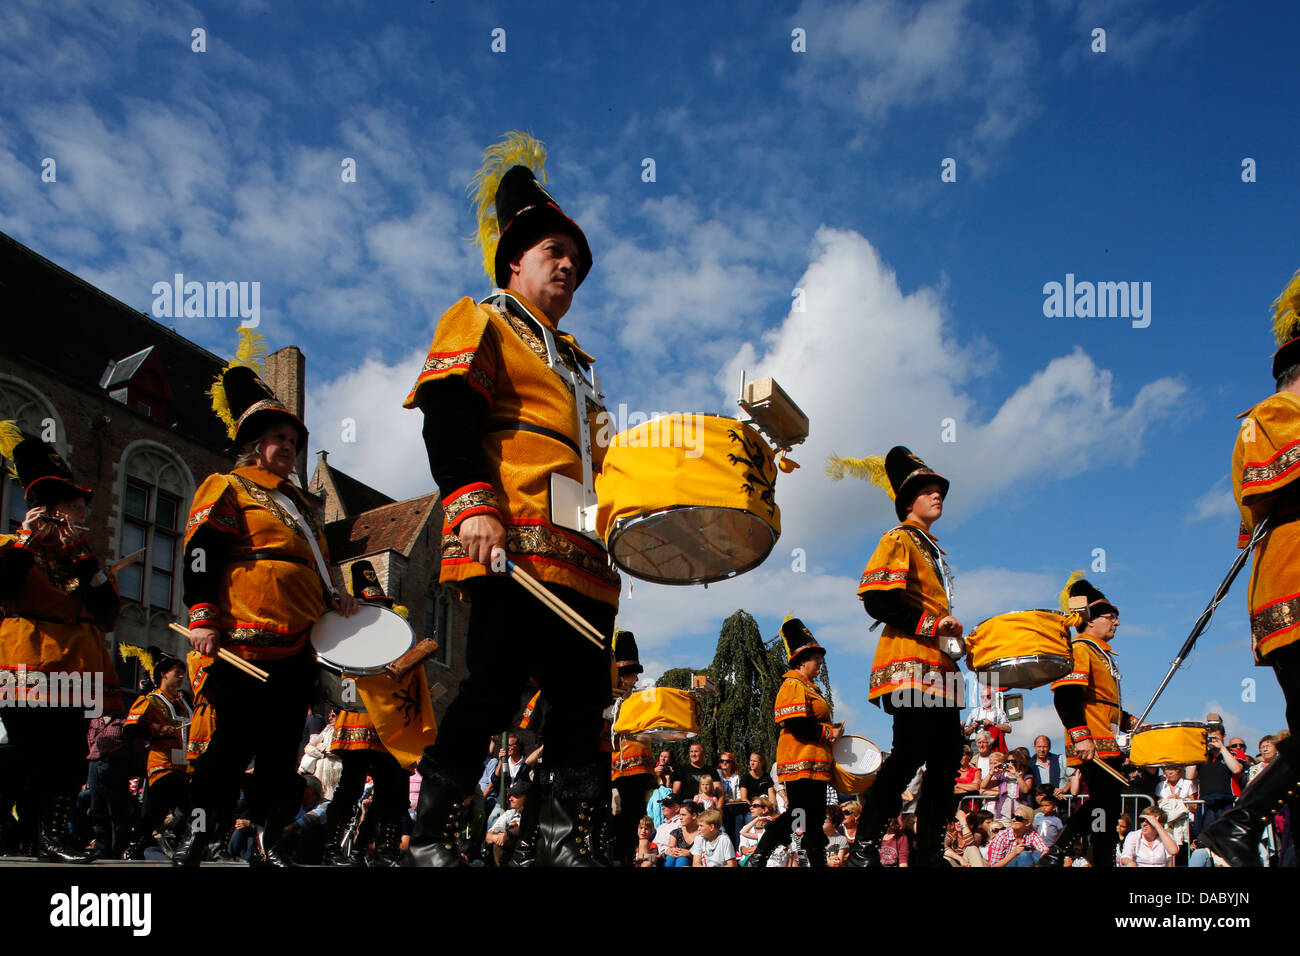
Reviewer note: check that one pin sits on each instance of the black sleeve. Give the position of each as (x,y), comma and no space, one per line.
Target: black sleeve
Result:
(1069,706)
(806,730)
(14,565)
(453,434)
(890,608)
(204,586)
(100,600)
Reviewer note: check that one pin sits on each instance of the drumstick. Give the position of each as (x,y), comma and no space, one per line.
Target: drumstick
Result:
(252,670)
(1110,770)
(574,619)
(129,559)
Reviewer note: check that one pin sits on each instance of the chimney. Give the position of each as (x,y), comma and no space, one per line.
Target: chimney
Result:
(286,370)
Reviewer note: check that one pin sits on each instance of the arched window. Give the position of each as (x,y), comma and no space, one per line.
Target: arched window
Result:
(156,489)
(437,621)
(36,416)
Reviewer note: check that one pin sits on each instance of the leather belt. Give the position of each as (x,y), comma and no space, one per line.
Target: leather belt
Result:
(44,619)
(538,430)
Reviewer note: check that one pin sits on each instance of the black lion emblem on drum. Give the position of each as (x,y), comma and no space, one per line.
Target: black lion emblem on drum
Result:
(762,471)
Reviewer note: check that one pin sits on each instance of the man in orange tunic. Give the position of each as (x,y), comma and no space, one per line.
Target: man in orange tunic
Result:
(914,677)
(510,409)
(1265,466)
(162,717)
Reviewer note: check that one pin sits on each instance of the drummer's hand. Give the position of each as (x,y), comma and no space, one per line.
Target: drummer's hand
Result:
(948,627)
(479,534)
(38,523)
(837,731)
(346,604)
(1085,750)
(205,640)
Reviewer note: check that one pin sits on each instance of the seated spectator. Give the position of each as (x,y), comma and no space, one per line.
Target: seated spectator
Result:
(670,806)
(1151,845)
(981,824)
(682,839)
(504,831)
(1019,760)
(968,775)
(1017,844)
(712,848)
(710,794)
(1123,827)
(1076,856)
(894,845)
(304,838)
(647,854)
(763,813)
(837,845)
(852,813)
(1047,822)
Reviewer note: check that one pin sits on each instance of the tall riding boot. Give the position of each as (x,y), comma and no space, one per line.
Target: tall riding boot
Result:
(525,854)
(434,841)
(1235,836)
(570,812)
(193,848)
(338,831)
(143,840)
(388,845)
(52,835)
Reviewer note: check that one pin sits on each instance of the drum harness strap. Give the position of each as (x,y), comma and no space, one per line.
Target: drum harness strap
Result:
(183,719)
(1114,672)
(287,504)
(936,561)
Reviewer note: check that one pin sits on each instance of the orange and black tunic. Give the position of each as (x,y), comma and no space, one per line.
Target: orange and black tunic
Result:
(354,730)
(204,721)
(258,581)
(1265,466)
(53,624)
(1096,714)
(905,567)
(487,365)
(803,751)
(162,719)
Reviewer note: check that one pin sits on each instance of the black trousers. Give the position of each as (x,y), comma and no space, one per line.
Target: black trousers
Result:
(1286,667)
(922,735)
(111,806)
(514,637)
(392,787)
(633,792)
(49,756)
(806,809)
(169,792)
(258,722)
(1097,816)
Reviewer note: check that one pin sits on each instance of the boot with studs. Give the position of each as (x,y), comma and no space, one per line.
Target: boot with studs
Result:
(1235,836)
(435,839)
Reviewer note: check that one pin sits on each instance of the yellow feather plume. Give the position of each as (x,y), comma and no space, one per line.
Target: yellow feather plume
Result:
(10,436)
(517,149)
(251,352)
(871,468)
(128,651)
(403,610)
(1064,599)
(1286,320)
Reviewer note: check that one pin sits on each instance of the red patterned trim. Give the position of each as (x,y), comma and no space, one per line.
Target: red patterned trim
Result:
(826,733)
(441,364)
(882,579)
(78,550)
(792,710)
(475,499)
(925,626)
(1079,733)
(1267,472)
(204,615)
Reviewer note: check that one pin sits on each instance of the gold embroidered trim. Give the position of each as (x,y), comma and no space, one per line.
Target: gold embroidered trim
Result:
(255,637)
(882,576)
(916,672)
(818,768)
(54,564)
(1274,618)
(928,622)
(436,364)
(478,498)
(794,710)
(260,495)
(542,542)
(356,735)
(1104,746)
(1263,474)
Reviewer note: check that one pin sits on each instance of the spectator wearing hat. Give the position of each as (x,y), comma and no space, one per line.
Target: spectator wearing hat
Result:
(504,831)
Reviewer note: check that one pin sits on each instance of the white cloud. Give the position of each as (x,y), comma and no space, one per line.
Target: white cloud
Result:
(1218,502)
(865,357)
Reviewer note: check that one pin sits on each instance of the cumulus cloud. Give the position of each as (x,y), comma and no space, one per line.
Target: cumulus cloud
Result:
(1217,502)
(873,367)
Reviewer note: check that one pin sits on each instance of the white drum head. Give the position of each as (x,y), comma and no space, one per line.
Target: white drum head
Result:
(856,755)
(363,643)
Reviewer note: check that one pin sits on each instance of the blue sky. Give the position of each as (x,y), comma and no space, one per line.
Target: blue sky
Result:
(774,169)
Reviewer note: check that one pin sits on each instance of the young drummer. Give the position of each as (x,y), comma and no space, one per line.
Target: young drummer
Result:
(914,677)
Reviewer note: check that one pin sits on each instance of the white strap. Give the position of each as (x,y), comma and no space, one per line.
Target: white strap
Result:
(287,504)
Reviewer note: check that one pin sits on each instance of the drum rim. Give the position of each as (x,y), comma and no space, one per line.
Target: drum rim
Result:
(623,524)
(880,757)
(1024,657)
(369,670)
(1169,725)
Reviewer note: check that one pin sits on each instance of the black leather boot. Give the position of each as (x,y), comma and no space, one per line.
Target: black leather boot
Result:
(566,831)
(192,849)
(141,843)
(333,854)
(52,835)
(434,841)
(388,846)
(1235,836)
(525,852)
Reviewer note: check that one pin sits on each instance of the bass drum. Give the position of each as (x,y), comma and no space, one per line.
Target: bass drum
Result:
(1174,744)
(1024,649)
(857,761)
(688,499)
(659,715)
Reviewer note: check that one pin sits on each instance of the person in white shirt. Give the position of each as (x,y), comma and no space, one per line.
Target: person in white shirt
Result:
(1150,844)
(712,847)
(988,718)
(671,805)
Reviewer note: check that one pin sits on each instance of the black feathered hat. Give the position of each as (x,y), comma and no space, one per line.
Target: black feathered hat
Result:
(798,640)
(243,401)
(44,475)
(906,474)
(366,586)
(1097,603)
(626,656)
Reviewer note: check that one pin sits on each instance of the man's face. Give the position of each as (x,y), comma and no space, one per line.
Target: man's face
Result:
(928,504)
(697,754)
(710,831)
(1042,747)
(1104,626)
(983,744)
(547,274)
(516,802)
(514,749)
(1236,743)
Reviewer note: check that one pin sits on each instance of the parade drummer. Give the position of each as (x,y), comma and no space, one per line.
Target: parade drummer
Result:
(1264,483)
(510,411)
(634,762)
(359,748)
(803,751)
(56,607)
(162,717)
(255,559)
(1088,702)
(914,676)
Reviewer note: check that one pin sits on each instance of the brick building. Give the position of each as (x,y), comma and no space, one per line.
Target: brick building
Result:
(124,399)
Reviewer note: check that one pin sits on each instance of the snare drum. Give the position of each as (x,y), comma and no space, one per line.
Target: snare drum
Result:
(1168,745)
(857,761)
(688,499)
(357,646)
(1024,649)
(659,715)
